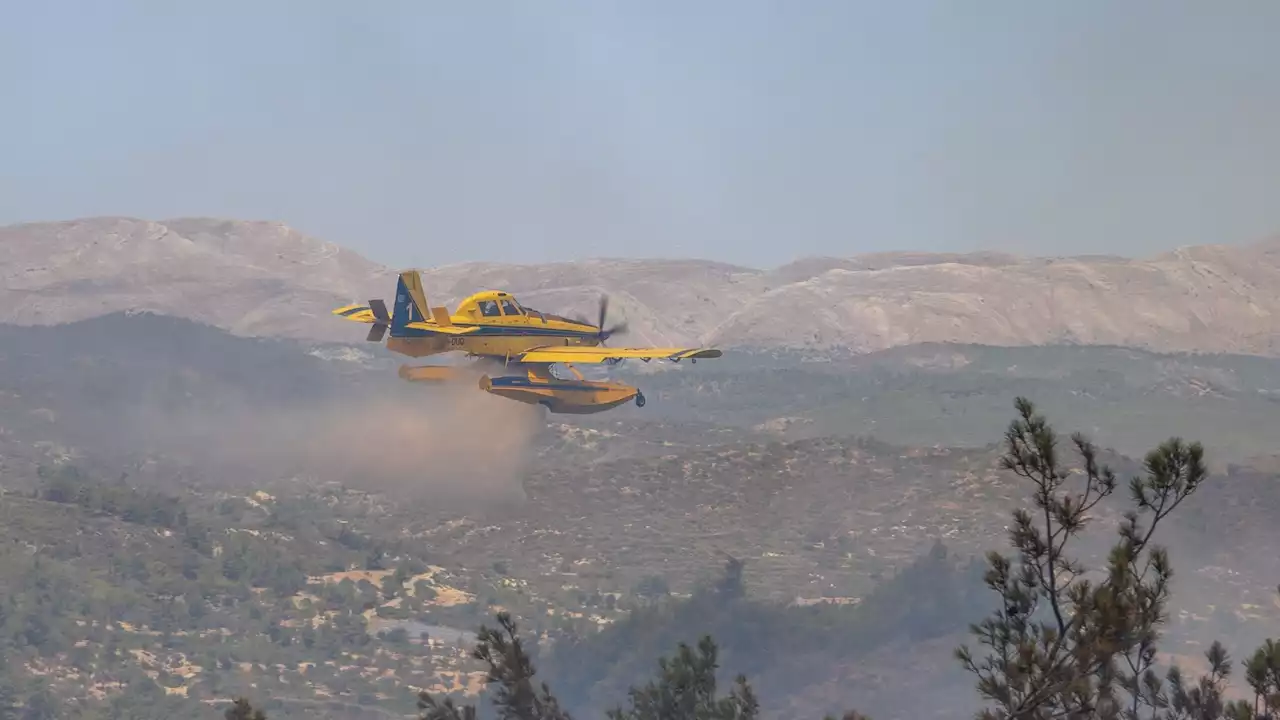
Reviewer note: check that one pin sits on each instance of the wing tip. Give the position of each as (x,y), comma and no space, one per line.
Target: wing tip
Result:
(697,354)
(555,354)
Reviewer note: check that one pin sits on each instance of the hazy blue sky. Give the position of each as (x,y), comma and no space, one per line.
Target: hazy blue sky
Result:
(754,132)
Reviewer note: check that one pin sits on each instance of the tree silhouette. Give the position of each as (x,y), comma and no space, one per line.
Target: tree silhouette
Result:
(511,672)
(685,689)
(1262,673)
(1063,646)
(242,710)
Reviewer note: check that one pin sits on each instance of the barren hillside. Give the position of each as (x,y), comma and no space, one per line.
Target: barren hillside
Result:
(1206,298)
(249,278)
(259,278)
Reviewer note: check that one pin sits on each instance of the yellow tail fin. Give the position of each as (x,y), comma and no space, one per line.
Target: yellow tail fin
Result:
(411,281)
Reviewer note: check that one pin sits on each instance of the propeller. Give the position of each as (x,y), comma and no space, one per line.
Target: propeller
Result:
(602,333)
(381,321)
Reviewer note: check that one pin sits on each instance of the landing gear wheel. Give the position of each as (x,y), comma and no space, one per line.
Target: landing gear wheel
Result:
(639,399)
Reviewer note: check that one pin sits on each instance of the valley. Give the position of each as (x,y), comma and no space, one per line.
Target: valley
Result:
(221,547)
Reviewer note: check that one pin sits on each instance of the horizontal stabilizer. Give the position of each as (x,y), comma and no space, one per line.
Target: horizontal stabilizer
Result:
(356,313)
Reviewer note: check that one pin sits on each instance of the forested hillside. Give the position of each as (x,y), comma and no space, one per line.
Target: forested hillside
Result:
(191,516)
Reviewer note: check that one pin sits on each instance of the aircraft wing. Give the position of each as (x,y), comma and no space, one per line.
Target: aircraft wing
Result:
(442,329)
(597,355)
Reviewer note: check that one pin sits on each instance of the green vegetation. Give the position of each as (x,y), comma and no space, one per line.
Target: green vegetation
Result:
(154,585)
(959,395)
(685,688)
(1060,645)
(241,709)
(773,643)
(152,605)
(138,582)
(1063,645)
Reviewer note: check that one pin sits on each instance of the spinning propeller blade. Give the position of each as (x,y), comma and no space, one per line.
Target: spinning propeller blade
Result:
(604,334)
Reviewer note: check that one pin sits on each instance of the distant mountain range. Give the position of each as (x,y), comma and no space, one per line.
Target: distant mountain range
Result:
(266,279)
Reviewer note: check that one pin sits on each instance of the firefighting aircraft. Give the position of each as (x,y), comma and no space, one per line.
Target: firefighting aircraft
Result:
(505,336)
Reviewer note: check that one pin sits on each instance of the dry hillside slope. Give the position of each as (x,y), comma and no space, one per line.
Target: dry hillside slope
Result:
(261,278)
(1206,298)
(249,278)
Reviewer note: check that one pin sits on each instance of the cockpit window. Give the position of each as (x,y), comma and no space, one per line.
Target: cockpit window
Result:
(488,308)
(509,308)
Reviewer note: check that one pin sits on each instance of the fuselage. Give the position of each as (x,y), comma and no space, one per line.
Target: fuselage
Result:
(498,327)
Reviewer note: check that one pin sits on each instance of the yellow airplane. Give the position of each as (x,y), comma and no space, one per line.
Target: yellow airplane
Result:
(503,334)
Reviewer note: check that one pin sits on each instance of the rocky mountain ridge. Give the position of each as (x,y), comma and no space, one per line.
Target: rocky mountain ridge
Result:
(266,279)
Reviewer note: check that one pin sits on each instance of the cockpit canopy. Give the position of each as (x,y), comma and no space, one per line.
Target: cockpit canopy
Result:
(494,304)
(500,305)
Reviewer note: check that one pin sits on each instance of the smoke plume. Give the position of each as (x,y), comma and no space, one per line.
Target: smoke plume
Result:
(438,444)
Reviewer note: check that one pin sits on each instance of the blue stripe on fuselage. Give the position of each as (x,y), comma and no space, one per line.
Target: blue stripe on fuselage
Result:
(494,330)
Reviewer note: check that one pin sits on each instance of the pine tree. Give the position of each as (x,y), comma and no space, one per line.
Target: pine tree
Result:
(511,672)
(9,701)
(685,689)
(431,709)
(242,710)
(1062,646)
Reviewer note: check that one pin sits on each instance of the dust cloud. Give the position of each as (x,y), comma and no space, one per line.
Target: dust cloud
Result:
(439,444)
